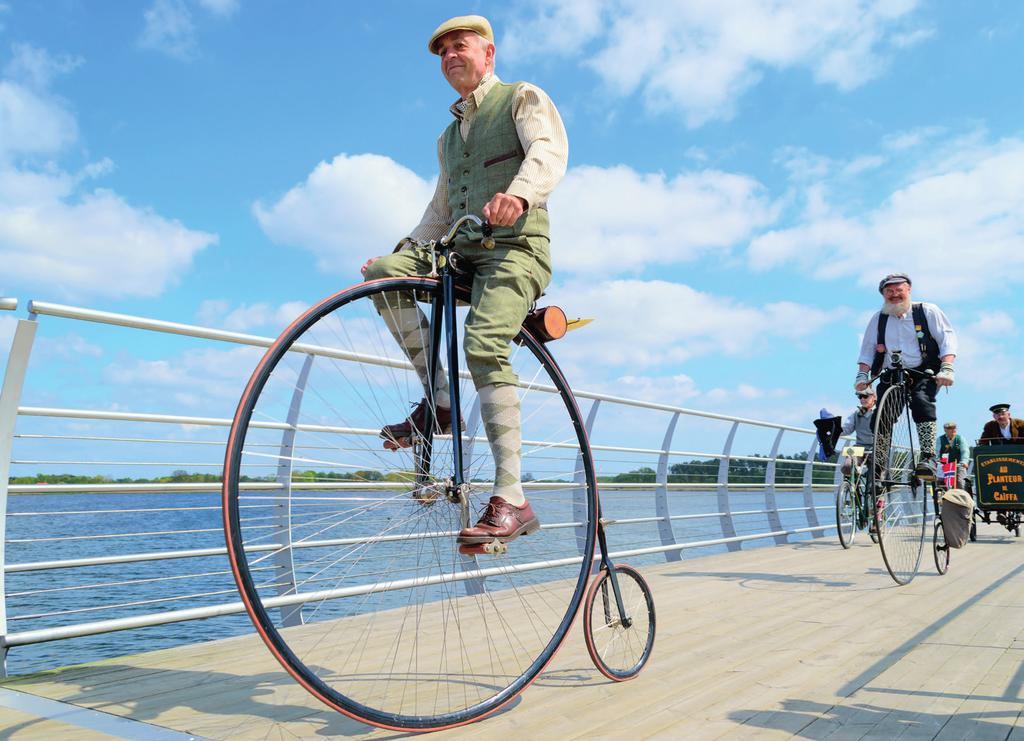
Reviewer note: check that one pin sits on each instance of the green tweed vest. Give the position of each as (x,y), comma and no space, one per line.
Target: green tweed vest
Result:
(485,164)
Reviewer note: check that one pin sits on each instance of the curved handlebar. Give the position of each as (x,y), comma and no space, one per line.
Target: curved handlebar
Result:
(485,226)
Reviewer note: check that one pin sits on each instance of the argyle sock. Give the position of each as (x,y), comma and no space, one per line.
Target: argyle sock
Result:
(499,408)
(881,455)
(411,330)
(926,438)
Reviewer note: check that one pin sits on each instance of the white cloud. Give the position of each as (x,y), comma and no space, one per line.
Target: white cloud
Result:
(953,226)
(222,8)
(54,235)
(67,347)
(218,313)
(699,57)
(35,122)
(348,209)
(169,29)
(606,219)
(7,326)
(207,379)
(36,67)
(646,324)
(93,245)
(618,220)
(988,359)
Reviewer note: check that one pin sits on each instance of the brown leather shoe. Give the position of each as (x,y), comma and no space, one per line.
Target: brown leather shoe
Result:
(399,435)
(500,521)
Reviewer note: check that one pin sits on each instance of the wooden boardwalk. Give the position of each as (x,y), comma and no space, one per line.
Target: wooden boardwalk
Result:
(802,640)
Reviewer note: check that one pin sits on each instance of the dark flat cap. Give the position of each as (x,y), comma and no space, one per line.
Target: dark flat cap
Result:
(892,278)
(999,408)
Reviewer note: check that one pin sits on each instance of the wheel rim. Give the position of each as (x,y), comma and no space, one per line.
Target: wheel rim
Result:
(902,499)
(846,514)
(384,618)
(939,548)
(619,652)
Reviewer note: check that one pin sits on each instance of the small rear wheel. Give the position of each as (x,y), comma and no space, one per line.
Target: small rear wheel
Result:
(846,514)
(619,644)
(939,548)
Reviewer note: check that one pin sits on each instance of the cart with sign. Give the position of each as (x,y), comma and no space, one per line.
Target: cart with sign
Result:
(998,486)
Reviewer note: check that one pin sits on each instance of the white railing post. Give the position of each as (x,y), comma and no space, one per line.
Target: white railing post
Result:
(473,586)
(774,521)
(812,513)
(661,508)
(579,503)
(724,505)
(10,397)
(283,561)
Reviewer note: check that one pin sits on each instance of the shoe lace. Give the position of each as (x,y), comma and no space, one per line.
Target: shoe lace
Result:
(489,515)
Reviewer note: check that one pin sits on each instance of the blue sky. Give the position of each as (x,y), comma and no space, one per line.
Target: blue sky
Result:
(741,175)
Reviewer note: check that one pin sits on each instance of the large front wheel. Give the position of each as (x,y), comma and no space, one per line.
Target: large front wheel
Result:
(345,553)
(901,504)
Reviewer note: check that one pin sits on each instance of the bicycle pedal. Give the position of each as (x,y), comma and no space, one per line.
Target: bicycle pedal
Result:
(495,548)
(400,443)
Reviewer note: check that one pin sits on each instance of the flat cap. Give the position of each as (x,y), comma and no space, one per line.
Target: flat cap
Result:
(475,23)
(892,278)
(999,408)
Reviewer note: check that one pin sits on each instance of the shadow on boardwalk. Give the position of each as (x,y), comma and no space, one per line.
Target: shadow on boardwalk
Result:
(805,719)
(221,704)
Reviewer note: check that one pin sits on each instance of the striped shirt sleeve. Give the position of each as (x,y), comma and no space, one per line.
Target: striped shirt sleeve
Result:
(545,143)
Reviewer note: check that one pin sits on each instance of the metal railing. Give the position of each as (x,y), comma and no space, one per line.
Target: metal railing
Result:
(84,559)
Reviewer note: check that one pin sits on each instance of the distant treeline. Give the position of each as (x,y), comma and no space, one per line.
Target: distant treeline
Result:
(692,472)
(740,472)
(184,477)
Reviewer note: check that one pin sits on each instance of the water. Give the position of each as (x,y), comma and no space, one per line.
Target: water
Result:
(193,521)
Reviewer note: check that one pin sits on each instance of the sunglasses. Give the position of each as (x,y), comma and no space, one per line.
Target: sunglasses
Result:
(863,396)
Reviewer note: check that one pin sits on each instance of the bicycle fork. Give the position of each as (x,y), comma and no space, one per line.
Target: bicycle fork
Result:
(606,563)
(442,311)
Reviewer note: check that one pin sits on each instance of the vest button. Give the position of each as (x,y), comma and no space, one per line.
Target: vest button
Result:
(463,189)
(462,205)
(465,155)
(465,173)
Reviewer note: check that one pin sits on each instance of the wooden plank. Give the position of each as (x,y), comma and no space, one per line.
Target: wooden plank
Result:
(801,639)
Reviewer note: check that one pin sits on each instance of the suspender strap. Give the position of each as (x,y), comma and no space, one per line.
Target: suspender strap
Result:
(876,364)
(929,347)
(925,342)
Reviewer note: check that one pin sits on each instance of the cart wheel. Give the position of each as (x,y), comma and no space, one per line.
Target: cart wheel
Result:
(939,548)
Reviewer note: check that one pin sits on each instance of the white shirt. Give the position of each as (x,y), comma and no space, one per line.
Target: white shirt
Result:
(901,334)
(1005,431)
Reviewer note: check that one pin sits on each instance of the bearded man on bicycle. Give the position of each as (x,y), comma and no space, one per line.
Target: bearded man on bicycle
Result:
(501,157)
(925,338)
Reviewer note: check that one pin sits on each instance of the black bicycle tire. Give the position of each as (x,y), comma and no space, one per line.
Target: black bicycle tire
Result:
(258,613)
(597,586)
(941,554)
(889,398)
(845,490)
